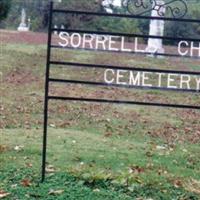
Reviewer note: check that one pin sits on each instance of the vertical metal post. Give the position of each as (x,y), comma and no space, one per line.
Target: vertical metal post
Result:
(46,93)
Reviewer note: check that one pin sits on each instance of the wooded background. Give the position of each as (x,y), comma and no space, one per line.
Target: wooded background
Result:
(37,11)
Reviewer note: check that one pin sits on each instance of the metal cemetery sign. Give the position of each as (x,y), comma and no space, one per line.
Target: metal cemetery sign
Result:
(177,8)
(187,81)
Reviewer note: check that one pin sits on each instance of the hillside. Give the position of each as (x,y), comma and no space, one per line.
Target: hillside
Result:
(94,150)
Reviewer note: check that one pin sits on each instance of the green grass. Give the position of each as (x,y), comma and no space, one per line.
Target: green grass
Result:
(96,151)
(104,166)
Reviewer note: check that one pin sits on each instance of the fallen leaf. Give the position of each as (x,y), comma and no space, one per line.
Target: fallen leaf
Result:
(149,154)
(3,194)
(26,183)
(185,150)
(108,120)
(81,163)
(55,192)
(18,148)
(14,186)
(52,125)
(50,169)
(136,170)
(96,190)
(74,141)
(159,147)
(29,164)
(177,183)
(108,134)
(3,148)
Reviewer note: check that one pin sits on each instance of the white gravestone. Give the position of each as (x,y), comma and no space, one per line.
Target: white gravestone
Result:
(23,26)
(157,29)
(62,27)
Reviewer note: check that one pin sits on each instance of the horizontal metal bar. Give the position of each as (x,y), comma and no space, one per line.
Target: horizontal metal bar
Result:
(121,86)
(126,52)
(125,16)
(122,102)
(124,34)
(124,68)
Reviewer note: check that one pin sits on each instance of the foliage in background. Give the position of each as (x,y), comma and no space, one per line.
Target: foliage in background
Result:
(4,8)
(37,10)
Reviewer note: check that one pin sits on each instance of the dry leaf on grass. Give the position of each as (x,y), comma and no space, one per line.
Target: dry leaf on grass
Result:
(193,186)
(50,169)
(3,148)
(96,190)
(18,148)
(25,183)
(177,183)
(55,192)
(136,170)
(3,194)
(29,164)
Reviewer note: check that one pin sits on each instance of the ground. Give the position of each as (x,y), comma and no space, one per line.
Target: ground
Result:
(95,151)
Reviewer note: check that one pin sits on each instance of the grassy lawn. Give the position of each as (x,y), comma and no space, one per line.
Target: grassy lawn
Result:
(113,168)
(94,151)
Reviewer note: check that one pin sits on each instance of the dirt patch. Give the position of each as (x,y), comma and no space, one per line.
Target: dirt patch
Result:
(34,38)
(23,37)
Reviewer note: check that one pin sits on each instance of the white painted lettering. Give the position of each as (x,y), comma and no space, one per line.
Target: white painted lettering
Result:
(87,40)
(180,51)
(75,40)
(134,80)
(145,77)
(170,80)
(111,41)
(120,76)
(185,79)
(63,36)
(109,81)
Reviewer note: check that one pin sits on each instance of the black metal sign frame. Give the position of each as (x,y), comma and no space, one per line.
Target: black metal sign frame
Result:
(50,62)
